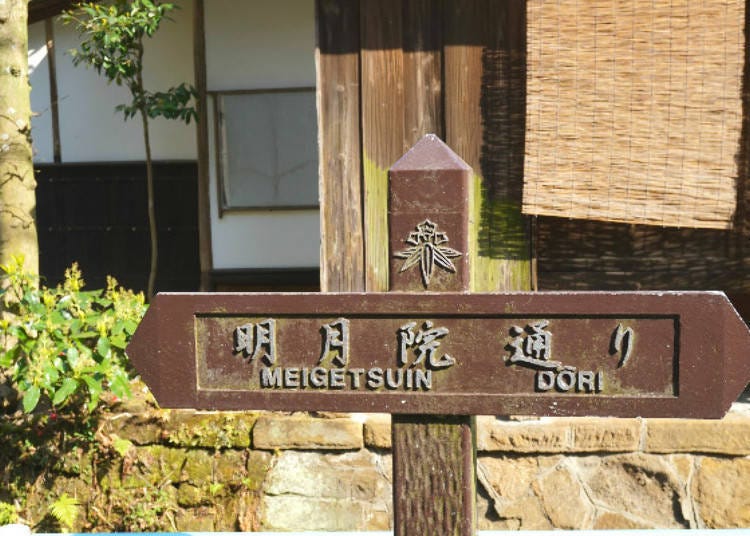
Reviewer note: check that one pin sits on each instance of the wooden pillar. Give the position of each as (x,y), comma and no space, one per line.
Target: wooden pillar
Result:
(201,86)
(342,256)
(434,456)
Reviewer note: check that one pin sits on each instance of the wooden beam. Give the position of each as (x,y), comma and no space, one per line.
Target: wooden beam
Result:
(485,88)
(337,67)
(423,69)
(44,9)
(383,138)
(204,207)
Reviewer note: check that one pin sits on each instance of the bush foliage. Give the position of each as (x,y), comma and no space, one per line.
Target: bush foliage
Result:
(65,346)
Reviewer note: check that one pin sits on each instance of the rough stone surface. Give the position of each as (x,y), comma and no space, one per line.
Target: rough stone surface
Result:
(644,486)
(337,491)
(199,520)
(302,432)
(198,467)
(377,430)
(534,474)
(153,466)
(230,468)
(543,436)
(141,429)
(730,435)
(606,435)
(258,464)
(190,495)
(353,475)
(722,489)
(209,430)
(563,499)
(509,482)
(615,521)
(248,512)
(290,513)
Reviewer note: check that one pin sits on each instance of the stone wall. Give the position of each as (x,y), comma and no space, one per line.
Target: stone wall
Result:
(262,471)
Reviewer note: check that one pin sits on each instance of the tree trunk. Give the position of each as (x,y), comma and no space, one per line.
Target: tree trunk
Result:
(140,92)
(17,185)
(151,209)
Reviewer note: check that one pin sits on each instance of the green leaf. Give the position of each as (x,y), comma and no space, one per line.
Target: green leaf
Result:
(51,374)
(31,398)
(69,386)
(120,386)
(122,446)
(73,355)
(65,509)
(8,358)
(119,341)
(103,346)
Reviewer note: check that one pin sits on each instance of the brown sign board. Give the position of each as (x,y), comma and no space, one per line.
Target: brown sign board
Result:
(626,354)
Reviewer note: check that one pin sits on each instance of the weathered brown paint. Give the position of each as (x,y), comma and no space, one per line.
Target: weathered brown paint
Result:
(434,456)
(429,183)
(710,365)
(434,488)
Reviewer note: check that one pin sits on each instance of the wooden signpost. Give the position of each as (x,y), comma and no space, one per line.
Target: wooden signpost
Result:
(434,355)
(619,354)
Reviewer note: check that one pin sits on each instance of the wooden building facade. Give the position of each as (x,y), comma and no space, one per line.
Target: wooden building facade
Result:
(391,71)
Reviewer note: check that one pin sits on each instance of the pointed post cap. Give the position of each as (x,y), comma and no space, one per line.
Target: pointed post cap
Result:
(430,153)
(429,200)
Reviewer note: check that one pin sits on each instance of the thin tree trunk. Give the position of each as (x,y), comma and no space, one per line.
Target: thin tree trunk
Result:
(17,185)
(151,208)
(149,184)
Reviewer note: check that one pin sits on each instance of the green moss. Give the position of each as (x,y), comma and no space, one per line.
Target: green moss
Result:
(189,495)
(376,224)
(499,243)
(218,430)
(198,468)
(153,466)
(230,468)
(258,464)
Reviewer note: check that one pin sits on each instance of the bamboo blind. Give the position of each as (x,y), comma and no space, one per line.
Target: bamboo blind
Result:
(634,110)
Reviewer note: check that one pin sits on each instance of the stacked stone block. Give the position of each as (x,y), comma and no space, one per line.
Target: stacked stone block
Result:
(269,471)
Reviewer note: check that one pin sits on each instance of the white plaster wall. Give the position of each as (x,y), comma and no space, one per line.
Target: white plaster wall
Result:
(250,44)
(255,44)
(91,130)
(41,119)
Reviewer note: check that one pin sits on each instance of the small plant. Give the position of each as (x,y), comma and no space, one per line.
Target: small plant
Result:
(112,42)
(8,514)
(65,345)
(65,510)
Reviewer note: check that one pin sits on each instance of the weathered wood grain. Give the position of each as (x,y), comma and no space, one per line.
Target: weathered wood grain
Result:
(484,59)
(438,459)
(423,84)
(338,87)
(204,208)
(383,136)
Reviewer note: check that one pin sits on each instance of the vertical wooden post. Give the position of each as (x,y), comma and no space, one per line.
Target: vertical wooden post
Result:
(434,456)
(337,59)
(201,86)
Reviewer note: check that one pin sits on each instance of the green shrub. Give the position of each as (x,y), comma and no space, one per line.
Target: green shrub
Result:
(8,514)
(66,345)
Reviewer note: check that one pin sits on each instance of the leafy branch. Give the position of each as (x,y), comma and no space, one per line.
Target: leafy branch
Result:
(112,44)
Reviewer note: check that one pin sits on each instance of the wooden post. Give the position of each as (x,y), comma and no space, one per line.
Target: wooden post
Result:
(337,60)
(204,208)
(434,456)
